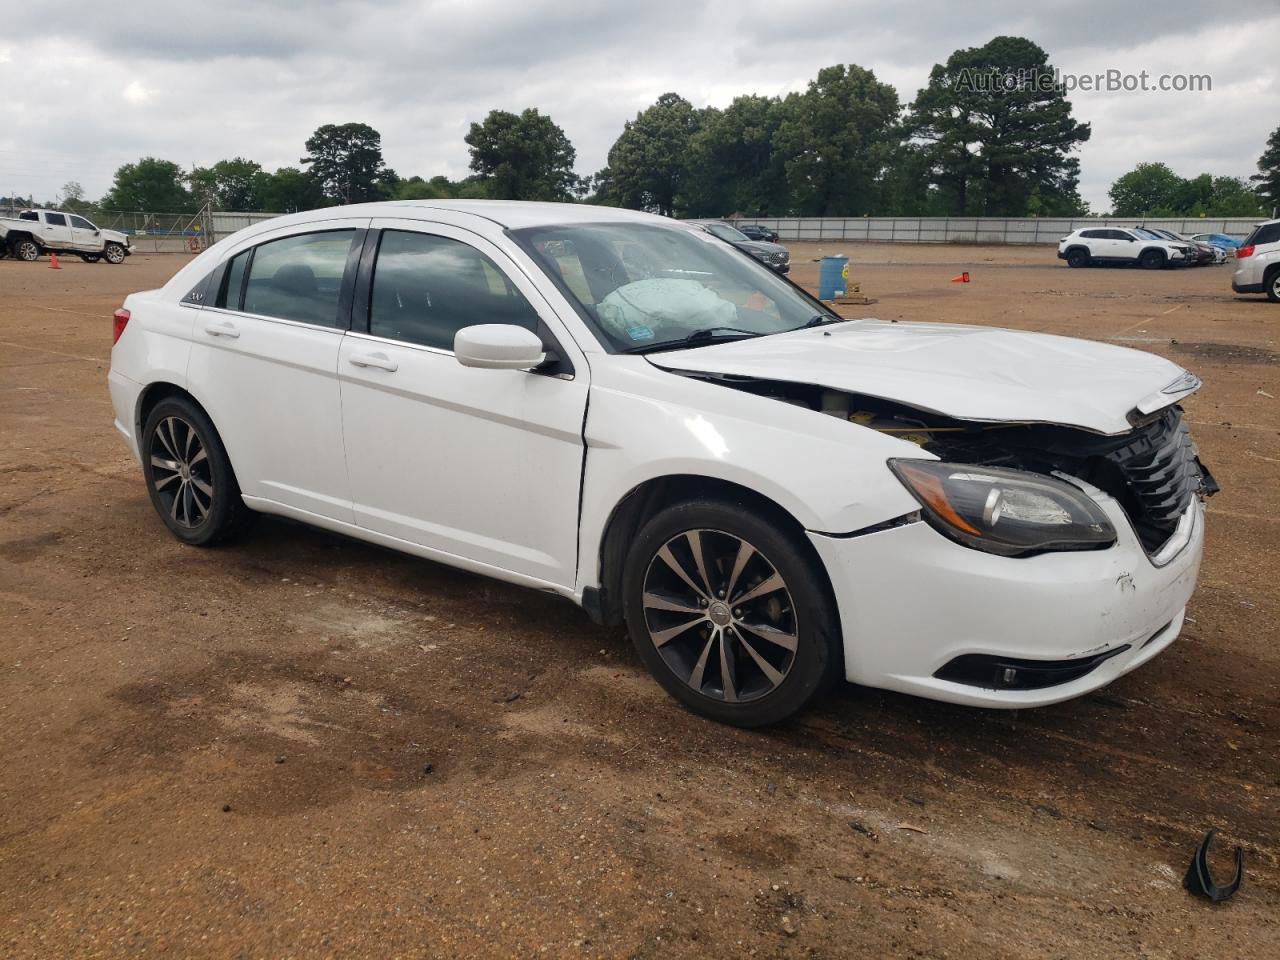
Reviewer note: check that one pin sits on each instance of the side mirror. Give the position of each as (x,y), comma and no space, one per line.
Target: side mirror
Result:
(498,346)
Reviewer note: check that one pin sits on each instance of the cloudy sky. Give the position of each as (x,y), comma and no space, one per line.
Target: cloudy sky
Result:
(89,86)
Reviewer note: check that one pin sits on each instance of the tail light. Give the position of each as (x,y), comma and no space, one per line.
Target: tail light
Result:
(1243,252)
(119,320)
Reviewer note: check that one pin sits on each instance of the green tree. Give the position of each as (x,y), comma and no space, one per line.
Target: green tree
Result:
(836,140)
(1148,190)
(347,161)
(150,185)
(289,190)
(997,131)
(733,166)
(1233,197)
(648,163)
(1268,179)
(236,184)
(523,156)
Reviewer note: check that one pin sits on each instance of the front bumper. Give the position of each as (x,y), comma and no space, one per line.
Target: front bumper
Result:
(911,602)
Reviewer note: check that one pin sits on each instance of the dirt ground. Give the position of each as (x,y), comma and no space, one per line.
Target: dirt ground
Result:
(302,746)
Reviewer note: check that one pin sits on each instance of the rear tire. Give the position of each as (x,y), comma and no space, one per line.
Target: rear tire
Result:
(189,476)
(26,249)
(1151,260)
(756,609)
(114,253)
(1078,258)
(1273,286)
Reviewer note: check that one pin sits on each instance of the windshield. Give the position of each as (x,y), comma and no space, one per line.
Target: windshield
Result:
(640,286)
(726,232)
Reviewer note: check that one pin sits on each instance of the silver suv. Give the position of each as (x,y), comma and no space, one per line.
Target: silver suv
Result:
(1258,262)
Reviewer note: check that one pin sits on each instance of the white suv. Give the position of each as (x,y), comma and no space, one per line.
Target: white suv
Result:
(1258,262)
(1083,248)
(623,410)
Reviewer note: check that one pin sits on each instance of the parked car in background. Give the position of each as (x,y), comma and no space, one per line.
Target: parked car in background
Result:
(773,255)
(35,232)
(1228,243)
(1258,262)
(622,410)
(1101,245)
(1206,253)
(754,231)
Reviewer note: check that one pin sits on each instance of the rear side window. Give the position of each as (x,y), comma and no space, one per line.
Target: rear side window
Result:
(28,215)
(1093,234)
(1267,233)
(233,282)
(55,219)
(427,288)
(297,278)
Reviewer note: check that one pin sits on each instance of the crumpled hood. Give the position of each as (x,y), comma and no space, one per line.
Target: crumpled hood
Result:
(114,236)
(965,372)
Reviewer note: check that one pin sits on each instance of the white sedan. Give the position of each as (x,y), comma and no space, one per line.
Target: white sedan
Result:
(631,413)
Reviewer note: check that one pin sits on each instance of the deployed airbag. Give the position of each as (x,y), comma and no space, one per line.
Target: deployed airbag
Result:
(637,310)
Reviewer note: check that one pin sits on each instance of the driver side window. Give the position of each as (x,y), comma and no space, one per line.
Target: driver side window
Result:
(426,288)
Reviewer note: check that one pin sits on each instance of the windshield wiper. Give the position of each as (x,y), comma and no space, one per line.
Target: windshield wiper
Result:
(698,337)
(821,320)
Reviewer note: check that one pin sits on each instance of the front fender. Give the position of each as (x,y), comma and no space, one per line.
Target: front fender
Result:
(644,424)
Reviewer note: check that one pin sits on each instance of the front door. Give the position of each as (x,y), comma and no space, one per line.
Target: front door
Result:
(482,465)
(84,235)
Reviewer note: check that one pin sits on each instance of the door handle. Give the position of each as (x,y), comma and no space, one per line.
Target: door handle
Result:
(379,360)
(224,329)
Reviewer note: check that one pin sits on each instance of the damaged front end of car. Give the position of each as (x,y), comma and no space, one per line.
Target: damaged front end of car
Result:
(1035,477)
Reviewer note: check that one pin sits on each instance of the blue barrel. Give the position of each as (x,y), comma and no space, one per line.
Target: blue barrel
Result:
(833,277)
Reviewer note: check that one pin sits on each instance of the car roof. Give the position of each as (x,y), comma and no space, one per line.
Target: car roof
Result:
(513,214)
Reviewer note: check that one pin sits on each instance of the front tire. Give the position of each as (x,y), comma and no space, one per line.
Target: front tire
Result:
(730,613)
(189,476)
(114,253)
(1151,260)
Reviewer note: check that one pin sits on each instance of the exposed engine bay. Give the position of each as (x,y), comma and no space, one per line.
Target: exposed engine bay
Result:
(1153,471)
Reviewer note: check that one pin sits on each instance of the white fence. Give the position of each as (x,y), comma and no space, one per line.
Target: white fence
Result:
(222,224)
(978,229)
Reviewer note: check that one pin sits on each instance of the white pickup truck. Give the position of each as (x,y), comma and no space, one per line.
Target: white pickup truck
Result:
(34,232)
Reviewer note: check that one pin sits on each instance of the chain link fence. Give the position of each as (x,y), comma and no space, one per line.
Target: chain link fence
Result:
(151,232)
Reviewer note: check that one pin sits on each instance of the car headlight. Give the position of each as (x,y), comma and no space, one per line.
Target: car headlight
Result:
(1012,513)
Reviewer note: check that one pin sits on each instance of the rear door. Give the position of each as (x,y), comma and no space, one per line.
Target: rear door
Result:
(480,465)
(55,231)
(264,362)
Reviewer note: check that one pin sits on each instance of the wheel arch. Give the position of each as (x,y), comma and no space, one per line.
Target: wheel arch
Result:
(153,393)
(603,602)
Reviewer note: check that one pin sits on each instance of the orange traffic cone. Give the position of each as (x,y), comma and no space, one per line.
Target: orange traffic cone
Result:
(53,261)
(962,278)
